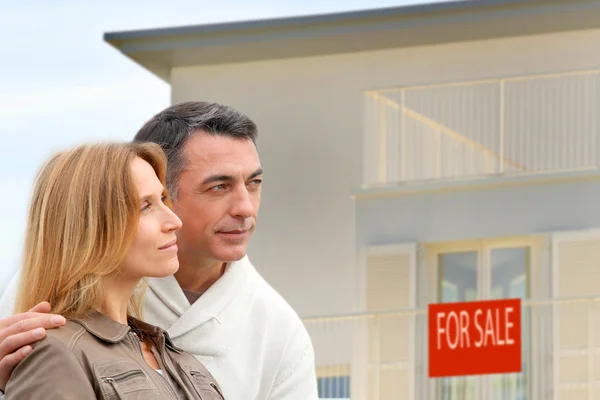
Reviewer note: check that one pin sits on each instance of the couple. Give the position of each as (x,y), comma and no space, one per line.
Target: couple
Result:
(216,307)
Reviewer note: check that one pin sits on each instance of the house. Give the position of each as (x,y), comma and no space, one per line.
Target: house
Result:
(418,154)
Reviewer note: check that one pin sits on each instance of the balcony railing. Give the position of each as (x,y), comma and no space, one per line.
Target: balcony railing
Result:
(382,356)
(521,125)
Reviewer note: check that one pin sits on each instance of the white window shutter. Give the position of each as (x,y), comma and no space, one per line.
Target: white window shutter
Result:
(390,287)
(575,274)
(576,257)
(390,277)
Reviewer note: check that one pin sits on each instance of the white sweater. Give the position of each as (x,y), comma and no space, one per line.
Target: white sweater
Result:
(241,329)
(8,298)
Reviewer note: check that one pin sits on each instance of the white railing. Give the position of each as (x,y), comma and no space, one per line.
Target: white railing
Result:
(382,356)
(532,124)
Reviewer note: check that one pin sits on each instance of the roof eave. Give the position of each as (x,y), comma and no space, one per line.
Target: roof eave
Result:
(160,50)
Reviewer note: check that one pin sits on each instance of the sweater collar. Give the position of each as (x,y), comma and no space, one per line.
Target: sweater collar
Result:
(209,305)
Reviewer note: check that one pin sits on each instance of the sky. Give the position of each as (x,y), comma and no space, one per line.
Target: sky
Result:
(62,85)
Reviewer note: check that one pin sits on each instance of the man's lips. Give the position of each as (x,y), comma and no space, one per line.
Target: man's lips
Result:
(234,233)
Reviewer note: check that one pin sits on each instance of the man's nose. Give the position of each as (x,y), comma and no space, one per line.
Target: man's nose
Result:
(242,205)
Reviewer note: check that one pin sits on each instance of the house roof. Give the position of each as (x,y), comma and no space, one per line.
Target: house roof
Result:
(160,50)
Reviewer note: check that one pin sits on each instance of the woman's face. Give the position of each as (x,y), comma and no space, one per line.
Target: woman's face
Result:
(154,249)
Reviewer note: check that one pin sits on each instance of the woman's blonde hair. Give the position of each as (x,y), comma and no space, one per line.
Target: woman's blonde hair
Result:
(82,220)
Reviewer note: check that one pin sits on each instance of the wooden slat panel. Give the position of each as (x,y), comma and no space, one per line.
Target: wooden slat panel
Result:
(579,268)
(577,274)
(390,287)
(388,281)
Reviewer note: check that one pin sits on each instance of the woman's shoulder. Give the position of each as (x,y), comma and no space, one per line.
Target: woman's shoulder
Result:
(54,368)
(66,335)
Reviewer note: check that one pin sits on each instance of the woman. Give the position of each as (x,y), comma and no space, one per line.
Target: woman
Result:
(99,222)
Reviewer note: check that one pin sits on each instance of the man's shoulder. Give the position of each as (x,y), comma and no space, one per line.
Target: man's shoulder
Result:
(273,303)
(295,363)
(8,297)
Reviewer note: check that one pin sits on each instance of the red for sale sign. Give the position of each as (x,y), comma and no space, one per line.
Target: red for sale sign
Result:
(475,338)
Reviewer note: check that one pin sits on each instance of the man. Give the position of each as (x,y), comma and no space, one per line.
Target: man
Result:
(217,307)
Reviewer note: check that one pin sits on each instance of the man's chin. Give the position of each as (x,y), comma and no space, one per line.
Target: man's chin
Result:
(228,251)
(234,258)
(231,255)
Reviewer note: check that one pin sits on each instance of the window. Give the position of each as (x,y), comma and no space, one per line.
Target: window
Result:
(484,270)
(334,387)
(333,381)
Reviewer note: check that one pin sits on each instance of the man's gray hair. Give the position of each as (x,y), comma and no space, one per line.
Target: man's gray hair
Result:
(172,127)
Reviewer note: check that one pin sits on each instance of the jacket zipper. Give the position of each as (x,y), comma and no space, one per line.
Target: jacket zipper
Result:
(137,346)
(120,378)
(217,390)
(211,383)
(177,379)
(126,375)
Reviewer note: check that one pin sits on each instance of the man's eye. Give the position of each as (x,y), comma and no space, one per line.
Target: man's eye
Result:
(218,187)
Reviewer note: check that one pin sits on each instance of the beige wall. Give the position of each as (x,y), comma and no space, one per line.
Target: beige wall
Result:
(310,116)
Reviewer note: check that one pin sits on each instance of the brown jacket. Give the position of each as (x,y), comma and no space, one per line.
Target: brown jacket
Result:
(98,358)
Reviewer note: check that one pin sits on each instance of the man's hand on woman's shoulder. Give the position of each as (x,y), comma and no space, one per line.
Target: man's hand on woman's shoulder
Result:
(19,332)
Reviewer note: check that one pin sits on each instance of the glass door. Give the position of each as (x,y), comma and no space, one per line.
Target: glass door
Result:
(477,271)
(509,270)
(458,280)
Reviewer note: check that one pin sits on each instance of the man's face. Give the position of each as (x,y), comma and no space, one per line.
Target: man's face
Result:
(218,198)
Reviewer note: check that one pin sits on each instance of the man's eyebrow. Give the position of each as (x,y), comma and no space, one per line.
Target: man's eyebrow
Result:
(256,173)
(217,178)
(228,178)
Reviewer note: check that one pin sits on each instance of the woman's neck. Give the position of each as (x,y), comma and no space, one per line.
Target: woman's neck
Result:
(117,295)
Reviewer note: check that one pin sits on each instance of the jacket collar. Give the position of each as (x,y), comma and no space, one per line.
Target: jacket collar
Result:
(103,327)
(154,332)
(111,331)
